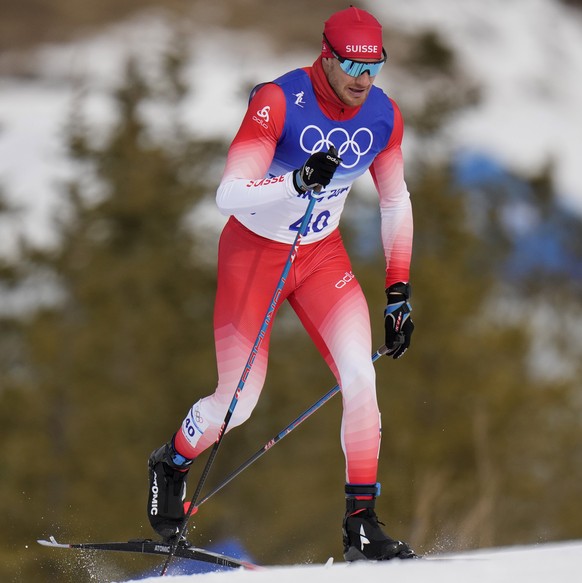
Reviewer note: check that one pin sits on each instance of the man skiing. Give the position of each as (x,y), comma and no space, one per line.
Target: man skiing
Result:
(312,131)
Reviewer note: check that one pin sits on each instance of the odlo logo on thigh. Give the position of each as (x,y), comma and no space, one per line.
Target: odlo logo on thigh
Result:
(345,280)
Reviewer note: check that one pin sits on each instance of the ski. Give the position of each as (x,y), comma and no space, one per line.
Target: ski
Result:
(151,547)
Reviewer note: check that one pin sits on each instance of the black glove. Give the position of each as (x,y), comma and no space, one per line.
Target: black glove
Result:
(317,172)
(397,320)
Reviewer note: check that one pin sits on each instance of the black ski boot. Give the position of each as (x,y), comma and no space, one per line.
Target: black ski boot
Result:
(364,539)
(168,471)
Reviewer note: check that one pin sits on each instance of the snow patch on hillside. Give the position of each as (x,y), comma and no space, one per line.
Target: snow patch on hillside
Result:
(525,54)
(527,57)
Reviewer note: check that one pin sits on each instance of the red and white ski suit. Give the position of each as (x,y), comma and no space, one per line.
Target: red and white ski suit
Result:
(264,207)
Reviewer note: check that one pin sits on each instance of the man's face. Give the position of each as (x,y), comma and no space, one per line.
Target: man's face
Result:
(353,91)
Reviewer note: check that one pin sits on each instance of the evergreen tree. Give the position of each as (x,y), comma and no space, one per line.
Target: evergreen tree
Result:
(119,356)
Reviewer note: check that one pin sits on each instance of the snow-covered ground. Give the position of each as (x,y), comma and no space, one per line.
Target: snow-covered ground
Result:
(548,563)
(526,54)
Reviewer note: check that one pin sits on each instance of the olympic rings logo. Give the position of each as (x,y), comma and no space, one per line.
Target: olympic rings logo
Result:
(350,148)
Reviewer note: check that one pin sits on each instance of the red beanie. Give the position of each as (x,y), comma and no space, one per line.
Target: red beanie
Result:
(353,33)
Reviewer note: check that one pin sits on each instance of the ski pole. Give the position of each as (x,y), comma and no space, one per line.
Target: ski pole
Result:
(293,425)
(247,369)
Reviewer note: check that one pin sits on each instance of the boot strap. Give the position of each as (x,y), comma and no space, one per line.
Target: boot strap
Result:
(354,490)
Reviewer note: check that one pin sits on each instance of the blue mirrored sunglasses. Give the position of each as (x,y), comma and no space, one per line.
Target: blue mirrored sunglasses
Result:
(357,68)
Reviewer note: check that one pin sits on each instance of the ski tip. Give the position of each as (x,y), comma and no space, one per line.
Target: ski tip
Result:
(51,542)
(329,562)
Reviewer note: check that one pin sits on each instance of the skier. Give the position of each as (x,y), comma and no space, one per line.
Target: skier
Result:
(312,130)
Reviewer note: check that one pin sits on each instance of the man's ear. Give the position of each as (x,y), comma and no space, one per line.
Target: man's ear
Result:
(326,62)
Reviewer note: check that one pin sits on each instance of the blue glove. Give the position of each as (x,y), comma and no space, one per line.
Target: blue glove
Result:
(397,320)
